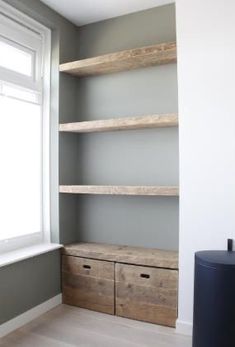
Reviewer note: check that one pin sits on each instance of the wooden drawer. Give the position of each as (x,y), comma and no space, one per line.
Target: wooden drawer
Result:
(146,293)
(88,283)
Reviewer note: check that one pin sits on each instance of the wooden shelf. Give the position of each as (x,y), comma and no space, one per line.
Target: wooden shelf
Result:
(163,53)
(124,254)
(121,190)
(125,123)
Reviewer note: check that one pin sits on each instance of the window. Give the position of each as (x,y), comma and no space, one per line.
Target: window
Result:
(24,130)
(15,58)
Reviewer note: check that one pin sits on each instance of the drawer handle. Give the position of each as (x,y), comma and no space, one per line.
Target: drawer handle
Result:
(144,275)
(86,266)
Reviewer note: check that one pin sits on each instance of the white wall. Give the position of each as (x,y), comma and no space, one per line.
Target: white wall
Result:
(206,77)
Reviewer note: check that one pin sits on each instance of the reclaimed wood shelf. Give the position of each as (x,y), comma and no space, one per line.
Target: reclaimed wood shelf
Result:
(120,190)
(159,54)
(124,254)
(124,123)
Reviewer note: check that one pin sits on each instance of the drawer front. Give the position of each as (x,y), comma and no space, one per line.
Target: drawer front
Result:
(88,283)
(147,294)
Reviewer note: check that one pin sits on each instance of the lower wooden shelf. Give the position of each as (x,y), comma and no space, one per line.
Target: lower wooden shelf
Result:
(124,123)
(124,254)
(131,282)
(120,190)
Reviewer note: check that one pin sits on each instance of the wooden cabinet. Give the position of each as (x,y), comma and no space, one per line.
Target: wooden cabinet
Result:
(146,293)
(88,283)
(131,282)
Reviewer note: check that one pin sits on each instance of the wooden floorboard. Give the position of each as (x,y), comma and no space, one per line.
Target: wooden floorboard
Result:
(67,326)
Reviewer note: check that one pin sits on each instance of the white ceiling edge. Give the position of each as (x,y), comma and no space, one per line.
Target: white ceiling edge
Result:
(81,12)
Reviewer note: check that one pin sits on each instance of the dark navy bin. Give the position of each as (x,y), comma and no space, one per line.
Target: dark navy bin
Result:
(214,299)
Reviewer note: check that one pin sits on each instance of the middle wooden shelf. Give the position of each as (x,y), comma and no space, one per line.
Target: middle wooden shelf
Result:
(124,123)
(120,190)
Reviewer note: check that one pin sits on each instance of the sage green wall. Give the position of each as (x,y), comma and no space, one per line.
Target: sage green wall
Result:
(30,282)
(138,29)
(139,157)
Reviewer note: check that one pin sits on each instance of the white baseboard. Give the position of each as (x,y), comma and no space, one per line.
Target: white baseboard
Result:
(29,315)
(184,328)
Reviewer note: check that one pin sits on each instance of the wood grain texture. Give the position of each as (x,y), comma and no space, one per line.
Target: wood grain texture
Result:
(124,254)
(125,123)
(164,53)
(121,190)
(147,294)
(68,326)
(88,283)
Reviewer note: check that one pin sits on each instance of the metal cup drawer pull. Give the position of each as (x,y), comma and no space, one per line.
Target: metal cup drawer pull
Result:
(86,266)
(145,275)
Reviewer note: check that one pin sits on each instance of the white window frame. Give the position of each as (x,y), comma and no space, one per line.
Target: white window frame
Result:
(45,235)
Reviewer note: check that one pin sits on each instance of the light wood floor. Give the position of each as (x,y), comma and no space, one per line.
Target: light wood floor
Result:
(67,326)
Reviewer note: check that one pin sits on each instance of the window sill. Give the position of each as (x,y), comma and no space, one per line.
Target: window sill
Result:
(26,253)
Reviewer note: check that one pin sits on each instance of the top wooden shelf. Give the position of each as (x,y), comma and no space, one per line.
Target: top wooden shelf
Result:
(124,254)
(159,54)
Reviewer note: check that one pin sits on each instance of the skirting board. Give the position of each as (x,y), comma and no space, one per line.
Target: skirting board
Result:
(28,316)
(184,328)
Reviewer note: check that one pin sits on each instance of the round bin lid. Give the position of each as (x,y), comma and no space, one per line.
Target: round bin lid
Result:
(217,259)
